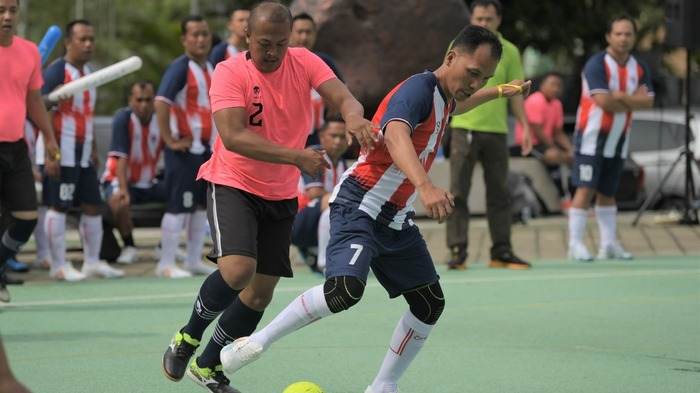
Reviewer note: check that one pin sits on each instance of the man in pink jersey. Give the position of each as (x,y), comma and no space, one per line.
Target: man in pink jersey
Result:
(371,210)
(614,84)
(20,97)
(130,171)
(260,101)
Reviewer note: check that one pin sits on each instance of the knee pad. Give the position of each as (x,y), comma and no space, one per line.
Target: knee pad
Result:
(426,303)
(343,292)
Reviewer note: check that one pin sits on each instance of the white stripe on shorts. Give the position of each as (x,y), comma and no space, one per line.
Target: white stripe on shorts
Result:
(216,221)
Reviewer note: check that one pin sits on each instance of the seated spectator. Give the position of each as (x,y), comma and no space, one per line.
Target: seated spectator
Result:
(129,176)
(311,229)
(551,145)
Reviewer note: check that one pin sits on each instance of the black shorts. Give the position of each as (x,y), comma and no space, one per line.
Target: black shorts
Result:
(17,191)
(246,224)
(185,192)
(597,172)
(77,185)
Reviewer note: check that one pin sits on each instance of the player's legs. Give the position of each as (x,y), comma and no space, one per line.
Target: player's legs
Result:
(196,222)
(585,177)
(606,210)
(404,267)
(462,162)
(18,197)
(59,195)
(43,255)
(349,254)
(91,231)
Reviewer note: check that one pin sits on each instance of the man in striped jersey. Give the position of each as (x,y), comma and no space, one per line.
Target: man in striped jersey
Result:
(130,171)
(187,128)
(371,209)
(78,185)
(614,84)
(236,41)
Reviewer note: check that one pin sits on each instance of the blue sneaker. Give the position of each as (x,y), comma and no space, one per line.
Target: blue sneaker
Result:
(16,266)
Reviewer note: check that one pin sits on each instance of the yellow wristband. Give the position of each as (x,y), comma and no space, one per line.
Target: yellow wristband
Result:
(500,90)
(56,156)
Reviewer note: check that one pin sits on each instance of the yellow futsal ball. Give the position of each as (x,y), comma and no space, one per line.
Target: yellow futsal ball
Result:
(303,387)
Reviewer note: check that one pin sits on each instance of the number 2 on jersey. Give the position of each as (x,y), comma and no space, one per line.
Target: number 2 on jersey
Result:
(255,119)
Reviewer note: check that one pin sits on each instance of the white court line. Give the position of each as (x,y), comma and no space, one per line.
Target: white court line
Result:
(374,284)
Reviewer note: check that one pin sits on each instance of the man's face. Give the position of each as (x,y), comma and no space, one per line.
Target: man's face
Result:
(486,17)
(197,39)
(81,43)
(469,72)
(621,37)
(551,87)
(9,13)
(141,101)
(268,43)
(238,23)
(303,34)
(333,139)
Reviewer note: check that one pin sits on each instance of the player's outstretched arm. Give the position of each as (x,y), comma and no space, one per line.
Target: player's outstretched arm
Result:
(513,88)
(397,137)
(337,94)
(236,137)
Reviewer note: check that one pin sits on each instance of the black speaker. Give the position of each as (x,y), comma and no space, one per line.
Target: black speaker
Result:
(681,29)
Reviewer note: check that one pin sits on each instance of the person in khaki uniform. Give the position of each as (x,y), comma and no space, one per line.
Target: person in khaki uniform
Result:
(481,136)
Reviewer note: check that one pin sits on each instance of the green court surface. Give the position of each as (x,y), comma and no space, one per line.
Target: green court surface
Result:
(562,327)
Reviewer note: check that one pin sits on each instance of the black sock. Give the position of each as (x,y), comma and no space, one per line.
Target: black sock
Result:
(16,235)
(214,297)
(128,240)
(237,321)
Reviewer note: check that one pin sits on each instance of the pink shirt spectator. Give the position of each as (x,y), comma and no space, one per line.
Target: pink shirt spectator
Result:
(539,111)
(21,72)
(277,107)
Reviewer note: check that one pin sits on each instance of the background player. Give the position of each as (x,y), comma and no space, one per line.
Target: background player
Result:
(130,171)
(236,41)
(78,185)
(371,210)
(310,232)
(614,84)
(187,128)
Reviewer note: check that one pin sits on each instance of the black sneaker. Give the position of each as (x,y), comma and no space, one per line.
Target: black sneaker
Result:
(508,260)
(213,380)
(4,293)
(178,355)
(458,260)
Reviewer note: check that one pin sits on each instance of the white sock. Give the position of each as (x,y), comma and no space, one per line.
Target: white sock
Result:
(171,226)
(324,236)
(42,242)
(308,307)
(55,227)
(91,235)
(408,338)
(607,224)
(196,230)
(577,225)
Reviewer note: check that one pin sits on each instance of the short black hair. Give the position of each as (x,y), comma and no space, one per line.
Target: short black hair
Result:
(485,3)
(472,36)
(71,24)
(143,83)
(234,9)
(277,13)
(188,19)
(331,119)
(621,17)
(303,16)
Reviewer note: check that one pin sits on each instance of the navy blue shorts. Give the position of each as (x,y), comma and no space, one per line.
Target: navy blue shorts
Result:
(305,228)
(399,259)
(184,192)
(597,172)
(76,185)
(138,196)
